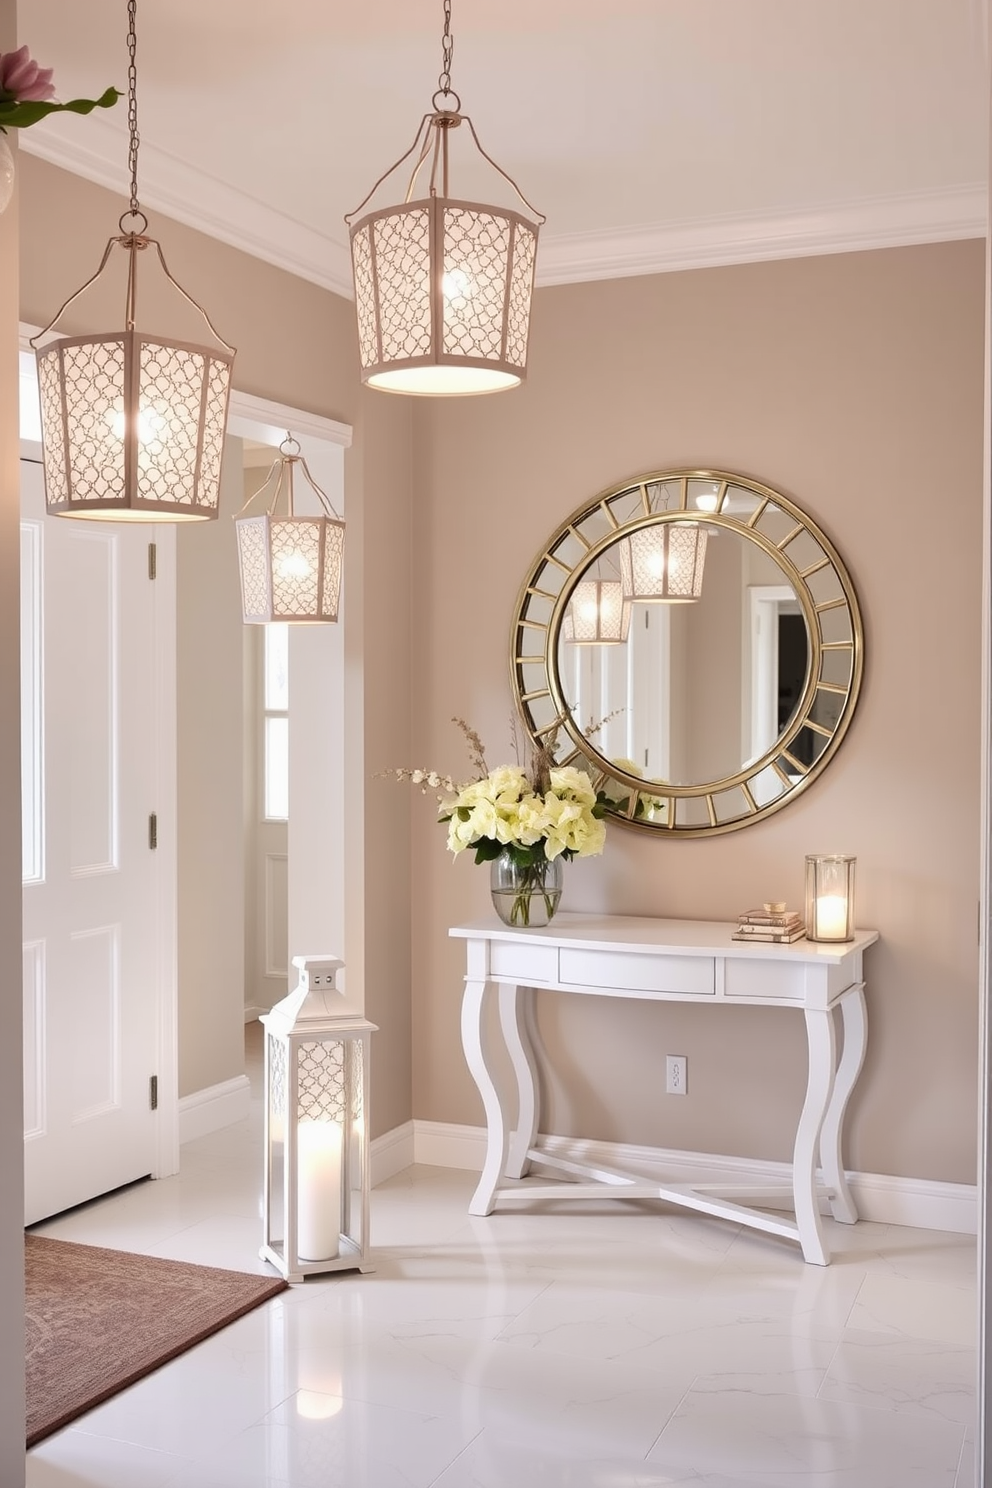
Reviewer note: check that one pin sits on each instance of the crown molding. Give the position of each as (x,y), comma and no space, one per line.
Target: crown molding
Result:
(844,227)
(200,201)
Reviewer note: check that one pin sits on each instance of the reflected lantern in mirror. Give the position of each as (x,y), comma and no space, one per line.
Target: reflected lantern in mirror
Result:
(664,564)
(598,614)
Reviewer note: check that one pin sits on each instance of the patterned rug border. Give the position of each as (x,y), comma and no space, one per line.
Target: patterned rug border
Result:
(67,1364)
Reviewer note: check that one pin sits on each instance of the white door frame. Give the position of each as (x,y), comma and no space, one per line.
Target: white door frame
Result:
(254,418)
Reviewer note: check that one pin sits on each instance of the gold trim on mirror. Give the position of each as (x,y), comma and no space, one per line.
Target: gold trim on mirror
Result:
(642,757)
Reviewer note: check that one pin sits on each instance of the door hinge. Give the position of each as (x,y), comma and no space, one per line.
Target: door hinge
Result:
(153,1093)
(153,560)
(153,829)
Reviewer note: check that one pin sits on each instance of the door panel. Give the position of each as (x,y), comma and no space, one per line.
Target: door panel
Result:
(91,892)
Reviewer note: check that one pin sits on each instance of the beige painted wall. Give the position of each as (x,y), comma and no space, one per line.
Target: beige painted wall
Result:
(378,659)
(296,345)
(210,772)
(854,384)
(11,1095)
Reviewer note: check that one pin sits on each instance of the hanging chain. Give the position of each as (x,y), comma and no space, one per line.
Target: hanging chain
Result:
(447,51)
(132,105)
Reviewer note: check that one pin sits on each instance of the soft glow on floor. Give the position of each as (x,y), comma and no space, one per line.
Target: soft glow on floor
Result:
(582,1347)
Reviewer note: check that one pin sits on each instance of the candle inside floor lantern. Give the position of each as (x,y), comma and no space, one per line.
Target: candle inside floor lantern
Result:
(830,897)
(318,1194)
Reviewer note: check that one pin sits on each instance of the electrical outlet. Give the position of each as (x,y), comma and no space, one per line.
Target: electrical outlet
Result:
(676,1074)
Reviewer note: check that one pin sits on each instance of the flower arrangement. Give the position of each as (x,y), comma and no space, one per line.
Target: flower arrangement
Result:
(27,93)
(653,808)
(531,814)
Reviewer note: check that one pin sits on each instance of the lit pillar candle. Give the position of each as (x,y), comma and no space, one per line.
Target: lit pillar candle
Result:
(318,1191)
(831,917)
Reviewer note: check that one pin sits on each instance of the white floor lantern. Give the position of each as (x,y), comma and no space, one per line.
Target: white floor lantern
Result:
(316,1190)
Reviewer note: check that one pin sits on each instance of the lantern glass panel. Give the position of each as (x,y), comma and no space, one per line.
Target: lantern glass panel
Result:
(830,897)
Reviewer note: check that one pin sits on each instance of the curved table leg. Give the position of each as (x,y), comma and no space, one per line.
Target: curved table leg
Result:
(478,1046)
(855,1023)
(516,1016)
(821,1038)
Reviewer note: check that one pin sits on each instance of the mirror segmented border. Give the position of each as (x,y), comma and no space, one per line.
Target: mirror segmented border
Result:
(804,558)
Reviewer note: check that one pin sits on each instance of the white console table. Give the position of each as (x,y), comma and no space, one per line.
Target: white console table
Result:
(663,961)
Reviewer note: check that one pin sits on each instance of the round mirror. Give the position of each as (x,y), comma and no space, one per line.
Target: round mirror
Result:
(694,641)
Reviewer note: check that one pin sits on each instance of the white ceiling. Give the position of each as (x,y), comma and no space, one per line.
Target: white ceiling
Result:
(652,133)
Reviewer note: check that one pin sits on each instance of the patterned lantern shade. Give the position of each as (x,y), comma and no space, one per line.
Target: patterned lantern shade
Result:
(290,565)
(443,287)
(443,293)
(598,613)
(133,427)
(316,1186)
(664,563)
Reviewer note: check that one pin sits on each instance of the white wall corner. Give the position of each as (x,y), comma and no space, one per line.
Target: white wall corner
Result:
(213,1108)
(392,1152)
(922,1203)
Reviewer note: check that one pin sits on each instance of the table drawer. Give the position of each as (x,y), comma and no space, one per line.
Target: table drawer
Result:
(523,963)
(764,980)
(647,974)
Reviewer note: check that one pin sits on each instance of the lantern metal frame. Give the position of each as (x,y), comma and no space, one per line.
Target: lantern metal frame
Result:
(312,597)
(317,1068)
(133,423)
(427,324)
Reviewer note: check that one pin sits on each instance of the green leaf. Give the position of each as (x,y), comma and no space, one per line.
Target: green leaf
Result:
(486,849)
(22,115)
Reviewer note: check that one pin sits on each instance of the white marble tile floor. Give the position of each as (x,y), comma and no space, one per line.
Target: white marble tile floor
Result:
(609,1346)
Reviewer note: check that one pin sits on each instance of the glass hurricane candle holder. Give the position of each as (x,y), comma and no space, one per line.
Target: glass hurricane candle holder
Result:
(830,897)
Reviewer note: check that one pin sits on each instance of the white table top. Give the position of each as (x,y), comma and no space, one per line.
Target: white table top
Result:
(680,937)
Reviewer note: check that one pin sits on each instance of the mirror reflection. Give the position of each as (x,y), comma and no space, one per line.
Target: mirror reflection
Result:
(689,691)
(702,649)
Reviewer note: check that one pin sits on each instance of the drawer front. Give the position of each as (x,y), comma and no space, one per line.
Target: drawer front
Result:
(646,974)
(784,981)
(523,963)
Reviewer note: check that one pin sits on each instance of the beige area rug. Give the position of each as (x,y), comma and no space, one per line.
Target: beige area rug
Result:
(97,1320)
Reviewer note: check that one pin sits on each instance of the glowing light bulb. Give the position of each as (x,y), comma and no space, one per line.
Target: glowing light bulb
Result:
(150,424)
(293,566)
(655,563)
(456,285)
(589,611)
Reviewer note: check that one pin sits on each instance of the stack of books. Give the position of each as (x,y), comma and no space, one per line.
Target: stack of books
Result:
(772,923)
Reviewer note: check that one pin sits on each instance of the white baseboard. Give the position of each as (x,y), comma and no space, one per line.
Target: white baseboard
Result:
(922,1203)
(252,1014)
(392,1152)
(217,1106)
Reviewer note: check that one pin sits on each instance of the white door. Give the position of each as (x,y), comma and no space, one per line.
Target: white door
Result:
(91,891)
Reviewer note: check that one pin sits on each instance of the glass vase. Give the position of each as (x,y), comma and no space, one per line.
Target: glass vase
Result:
(525,897)
(6,172)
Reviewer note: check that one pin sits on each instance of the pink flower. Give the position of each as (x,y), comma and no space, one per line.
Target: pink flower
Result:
(23,79)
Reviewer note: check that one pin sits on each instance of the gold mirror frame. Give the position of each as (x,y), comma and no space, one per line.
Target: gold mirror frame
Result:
(834,630)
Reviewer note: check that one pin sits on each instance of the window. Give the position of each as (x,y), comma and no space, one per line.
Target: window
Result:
(275,747)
